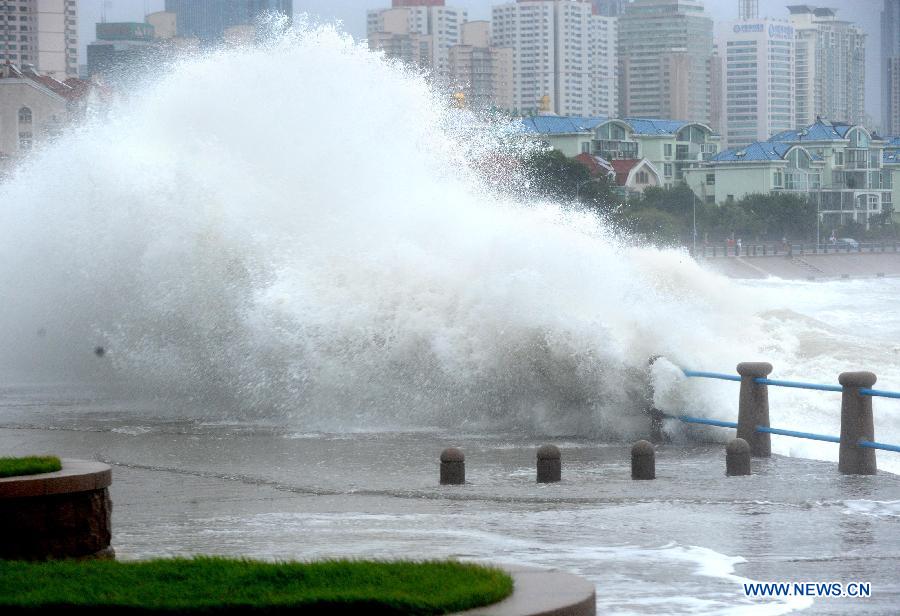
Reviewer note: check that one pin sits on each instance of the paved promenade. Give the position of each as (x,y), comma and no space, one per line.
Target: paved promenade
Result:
(806,266)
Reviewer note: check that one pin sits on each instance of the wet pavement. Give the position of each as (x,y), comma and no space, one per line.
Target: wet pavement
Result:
(682,544)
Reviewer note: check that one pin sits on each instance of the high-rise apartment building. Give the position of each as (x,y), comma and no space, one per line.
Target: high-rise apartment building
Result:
(890,68)
(420,32)
(483,73)
(207,20)
(758,79)
(609,8)
(830,69)
(665,51)
(43,33)
(564,56)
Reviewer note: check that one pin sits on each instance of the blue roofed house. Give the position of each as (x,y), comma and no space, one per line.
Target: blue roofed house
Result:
(838,165)
(670,146)
(890,161)
(571,136)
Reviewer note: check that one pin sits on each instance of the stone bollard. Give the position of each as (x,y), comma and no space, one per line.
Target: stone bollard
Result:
(737,457)
(549,464)
(643,460)
(856,423)
(453,467)
(754,408)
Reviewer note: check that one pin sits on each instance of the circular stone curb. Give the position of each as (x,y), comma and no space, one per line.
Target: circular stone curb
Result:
(539,592)
(75,476)
(65,514)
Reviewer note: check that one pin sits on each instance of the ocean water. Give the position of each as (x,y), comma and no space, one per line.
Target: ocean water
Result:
(299,261)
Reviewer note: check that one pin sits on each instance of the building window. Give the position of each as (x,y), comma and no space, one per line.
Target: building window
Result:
(25,141)
(25,116)
(711,199)
(838,158)
(585,147)
(711,178)
(668,151)
(642,177)
(667,170)
(779,180)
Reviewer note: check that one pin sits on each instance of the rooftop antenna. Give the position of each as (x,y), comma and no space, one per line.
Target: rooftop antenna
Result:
(749,9)
(107,4)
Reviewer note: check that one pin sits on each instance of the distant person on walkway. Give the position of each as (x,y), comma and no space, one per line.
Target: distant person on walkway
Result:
(738,247)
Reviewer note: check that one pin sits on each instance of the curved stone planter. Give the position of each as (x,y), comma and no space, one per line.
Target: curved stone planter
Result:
(539,592)
(65,514)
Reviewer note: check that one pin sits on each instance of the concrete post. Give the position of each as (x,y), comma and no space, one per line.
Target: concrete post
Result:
(453,467)
(737,457)
(856,423)
(549,464)
(643,461)
(754,408)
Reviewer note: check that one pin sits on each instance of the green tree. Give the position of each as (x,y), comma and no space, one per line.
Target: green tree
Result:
(559,178)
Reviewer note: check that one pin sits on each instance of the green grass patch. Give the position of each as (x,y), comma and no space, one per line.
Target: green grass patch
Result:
(30,465)
(219,585)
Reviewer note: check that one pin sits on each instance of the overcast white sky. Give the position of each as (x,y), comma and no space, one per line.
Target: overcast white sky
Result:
(867,13)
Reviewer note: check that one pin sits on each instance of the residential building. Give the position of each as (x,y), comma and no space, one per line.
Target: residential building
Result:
(564,56)
(570,135)
(758,64)
(891,179)
(628,176)
(121,50)
(717,91)
(671,147)
(418,32)
(890,68)
(838,165)
(483,73)
(665,50)
(830,71)
(165,24)
(34,108)
(40,33)
(207,20)
(609,8)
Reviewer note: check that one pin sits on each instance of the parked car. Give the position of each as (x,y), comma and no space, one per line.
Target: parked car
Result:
(847,242)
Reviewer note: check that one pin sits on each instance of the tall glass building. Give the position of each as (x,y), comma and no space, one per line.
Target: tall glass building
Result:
(890,67)
(207,20)
(665,57)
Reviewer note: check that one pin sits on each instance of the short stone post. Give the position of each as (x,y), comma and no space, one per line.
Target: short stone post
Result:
(754,408)
(453,467)
(856,423)
(643,460)
(737,457)
(549,464)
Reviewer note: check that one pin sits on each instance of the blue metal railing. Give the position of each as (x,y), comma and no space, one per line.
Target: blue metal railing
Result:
(874,445)
(795,384)
(701,420)
(798,384)
(711,375)
(807,435)
(879,392)
(779,431)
